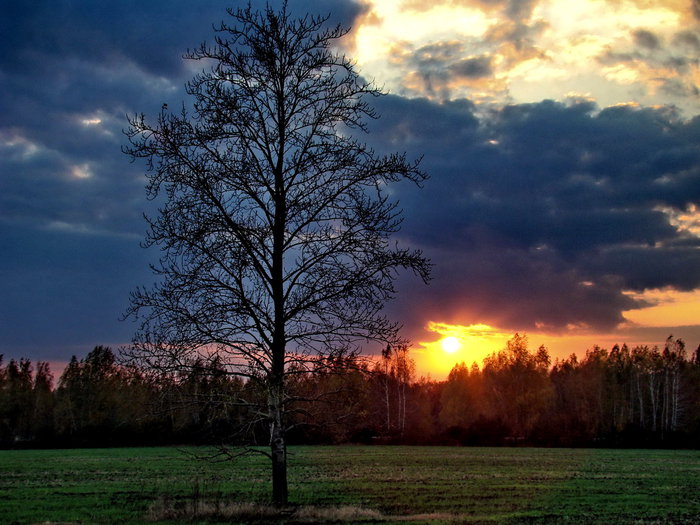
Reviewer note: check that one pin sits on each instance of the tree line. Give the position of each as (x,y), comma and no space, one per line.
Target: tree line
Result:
(641,396)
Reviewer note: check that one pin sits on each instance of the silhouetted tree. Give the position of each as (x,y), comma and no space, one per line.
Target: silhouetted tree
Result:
(404,370)
(67,411)
(422,425)
(644,396)
(5,430)
(275,230)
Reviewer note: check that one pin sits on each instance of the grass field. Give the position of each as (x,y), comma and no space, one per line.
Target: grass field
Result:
(355,484)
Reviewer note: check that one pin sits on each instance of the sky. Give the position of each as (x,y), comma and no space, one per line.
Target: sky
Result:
(562,141)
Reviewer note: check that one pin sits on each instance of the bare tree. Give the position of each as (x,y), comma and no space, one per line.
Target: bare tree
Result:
(275,231)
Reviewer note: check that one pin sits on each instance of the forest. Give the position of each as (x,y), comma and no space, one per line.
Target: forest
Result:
(621,397)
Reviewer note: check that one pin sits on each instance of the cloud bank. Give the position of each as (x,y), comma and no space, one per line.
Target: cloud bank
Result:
(541,215)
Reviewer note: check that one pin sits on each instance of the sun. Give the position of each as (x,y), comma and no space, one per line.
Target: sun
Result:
(450,344)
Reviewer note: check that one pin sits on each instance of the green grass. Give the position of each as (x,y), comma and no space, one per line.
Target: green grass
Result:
(388,484)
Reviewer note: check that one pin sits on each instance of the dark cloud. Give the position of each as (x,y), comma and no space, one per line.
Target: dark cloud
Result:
(641,267)
(519,10)
(64,291)
(476,67)
(106,33)
(688,38)
(646,39)
(440,65)
(70,71)
(153,35)
(541,215)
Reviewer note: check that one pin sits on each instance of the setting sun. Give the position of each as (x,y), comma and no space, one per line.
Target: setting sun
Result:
(450,344)
(456,344)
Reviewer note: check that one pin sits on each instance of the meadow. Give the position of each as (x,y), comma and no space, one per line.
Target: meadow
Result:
(353,484)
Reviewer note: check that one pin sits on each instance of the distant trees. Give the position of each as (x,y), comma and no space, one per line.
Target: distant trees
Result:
(462,397)
(335,401)
(43,423)
(98,400)
(517,385)
(644,392)
(276,223)
(17,403)
(641,396)
(396,371)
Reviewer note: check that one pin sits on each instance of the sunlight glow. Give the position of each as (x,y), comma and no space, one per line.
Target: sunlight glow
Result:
(390,31)
(456,344)
(391,22)
(450,344)
(478,341)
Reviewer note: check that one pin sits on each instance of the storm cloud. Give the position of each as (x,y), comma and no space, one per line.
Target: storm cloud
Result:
(542,215)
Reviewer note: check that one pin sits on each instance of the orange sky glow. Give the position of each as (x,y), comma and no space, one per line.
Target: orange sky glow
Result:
(675,314)
(671,312)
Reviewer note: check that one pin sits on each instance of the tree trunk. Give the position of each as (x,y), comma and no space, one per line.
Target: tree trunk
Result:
(653,400)
(278,446)
(386,396)
(665,406)
(402,407)
(641,398)
(676,400)
(278,443)
(276,395)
